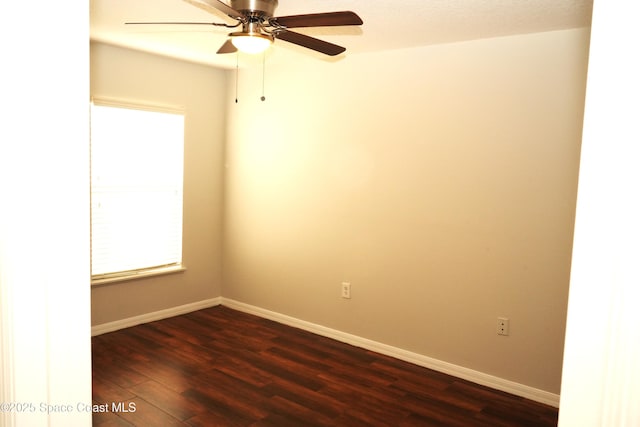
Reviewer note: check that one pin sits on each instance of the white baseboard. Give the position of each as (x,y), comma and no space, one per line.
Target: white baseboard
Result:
(408,356)
(156,315)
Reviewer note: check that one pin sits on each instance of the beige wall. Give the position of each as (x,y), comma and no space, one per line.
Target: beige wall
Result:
(129,75)
(439,181)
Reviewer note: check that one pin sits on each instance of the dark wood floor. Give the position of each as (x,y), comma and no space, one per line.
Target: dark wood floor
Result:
(220,367)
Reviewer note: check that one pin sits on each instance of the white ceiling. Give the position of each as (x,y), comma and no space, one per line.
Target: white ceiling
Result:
(387,24)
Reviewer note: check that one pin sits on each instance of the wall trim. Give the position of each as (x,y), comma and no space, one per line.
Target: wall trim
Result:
(477,377)
(153,316)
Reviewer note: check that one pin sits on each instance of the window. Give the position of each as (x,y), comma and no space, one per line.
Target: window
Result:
(136,191)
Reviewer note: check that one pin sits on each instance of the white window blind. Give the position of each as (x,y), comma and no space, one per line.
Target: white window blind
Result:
(136,190)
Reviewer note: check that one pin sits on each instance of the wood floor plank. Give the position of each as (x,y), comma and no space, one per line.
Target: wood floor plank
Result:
(220,407)
(173,377)
(109,420)
(230,395)
(146,414)
(221,367)
(105,390)
(175,404)
(316,401)
(244,370)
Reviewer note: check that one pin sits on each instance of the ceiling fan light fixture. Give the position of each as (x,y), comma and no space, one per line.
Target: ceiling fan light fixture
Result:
(251,43)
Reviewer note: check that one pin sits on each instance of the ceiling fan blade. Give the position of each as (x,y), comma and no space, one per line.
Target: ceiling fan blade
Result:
(212,5)
(330,19)
(311,43)
(227,47)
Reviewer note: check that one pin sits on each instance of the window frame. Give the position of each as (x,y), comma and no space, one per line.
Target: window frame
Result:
(134,274)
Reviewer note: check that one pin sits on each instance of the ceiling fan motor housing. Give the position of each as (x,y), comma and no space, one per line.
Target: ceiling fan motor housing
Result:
(263,8)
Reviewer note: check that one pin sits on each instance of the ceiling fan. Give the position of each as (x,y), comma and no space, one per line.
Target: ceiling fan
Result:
(260,28)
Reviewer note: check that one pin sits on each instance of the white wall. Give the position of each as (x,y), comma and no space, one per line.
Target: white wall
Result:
(439,181)
(45,352)
(139,77)
(601,375)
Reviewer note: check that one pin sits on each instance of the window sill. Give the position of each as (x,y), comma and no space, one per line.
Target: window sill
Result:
(160,271)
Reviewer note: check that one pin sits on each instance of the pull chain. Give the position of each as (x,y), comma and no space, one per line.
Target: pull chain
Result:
(262,98)
(237,72)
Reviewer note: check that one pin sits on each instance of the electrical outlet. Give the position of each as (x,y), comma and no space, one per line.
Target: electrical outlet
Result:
(503,326)
(346,290)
